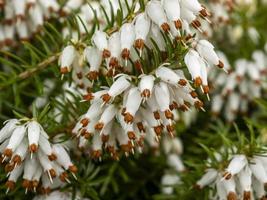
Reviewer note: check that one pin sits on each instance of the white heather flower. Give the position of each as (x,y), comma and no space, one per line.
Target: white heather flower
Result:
(209,177)
(237,163)
(168,75)
(157,37)
(156,13)
(245,179)
(100,39)
(72,5)
(15,139)
(7,130)
(169,180)
(34,131)
(67,58)
(127,38)
(119,86)
(230,188)
(193,5)
(233,102)
(175,162)
(141,28)
(106,117)
(191,60)
(258,170)
(63,158)
(146,85)
(217,103)
(206,50)
(114,46)
(19,8)
(172,9)
(94,58)
(241,67)
(134,100)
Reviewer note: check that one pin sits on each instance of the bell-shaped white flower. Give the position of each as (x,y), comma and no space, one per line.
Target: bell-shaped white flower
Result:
(114,46)
(156,13)
(258,170)
(237,163)
(94,58)
(168,75)
(141,28)
(132,105)
(245,179)
(194,6)
(8,129)
(146,85)
(206,50)
(172,9)
(118,87)
(67,58)
(191,60)
(209,177)
(101,41)
(108,114)
(34,131)
(127,37)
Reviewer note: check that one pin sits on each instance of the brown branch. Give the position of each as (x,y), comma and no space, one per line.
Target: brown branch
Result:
(30,72)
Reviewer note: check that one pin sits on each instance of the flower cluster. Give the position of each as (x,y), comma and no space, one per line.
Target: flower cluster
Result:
(243,178)
(27,152)
(135,101)
(245,82)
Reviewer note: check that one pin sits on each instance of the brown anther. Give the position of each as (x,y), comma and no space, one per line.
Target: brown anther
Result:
(131,135)
(106,98)
(178,24)
(146,93)
(35,183)
(99,126)
(188,37)
(246,195)
(9,167)
(126,147)
(165,27)
(93,75)
(16,159)
(199,104)
(87,135)
(170,128)
(138,65)
(64,70)
(182,82)
(20,17)
(128,118)
(141,127)
(168,114)
(53,173)
(139,44)
(88,97)
(197,82)
(158,130)
(84,122)
(113,63)
(194,94)
(204,12)
(197,23)
(80,75)
(220,65)
(104,138)
(73,169)
(63,176)
(183,108)
(173,106)
(10,185)
(106,53)
(33,148)
(81,85)
(52,157)
(8,152)
(206,89)
(125,54)
(45,190)
(227,175)
(111,149)
(96,154)
(156,115)
(26,183)
(231,196)
(197,187)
